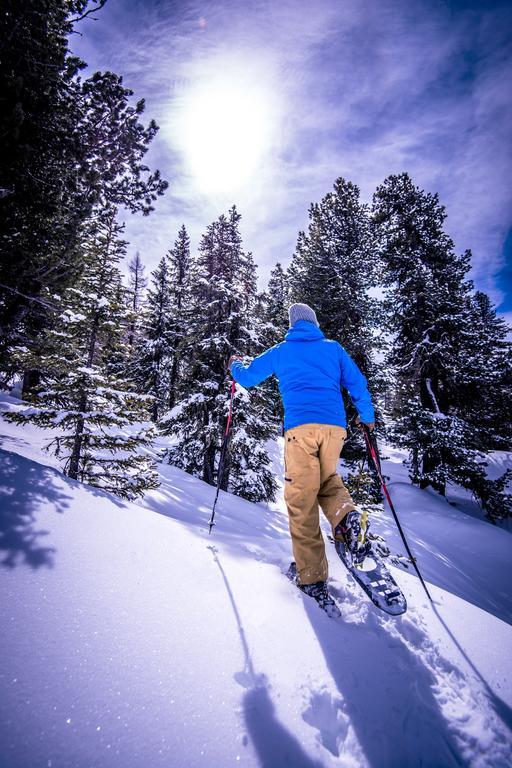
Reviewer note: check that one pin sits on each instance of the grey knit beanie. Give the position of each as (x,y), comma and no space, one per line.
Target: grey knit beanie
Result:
(301,312)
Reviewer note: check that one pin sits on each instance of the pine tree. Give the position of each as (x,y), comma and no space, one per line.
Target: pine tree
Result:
(137,284)
(100,439)
(419,258)
(156,367)
(274,309)
(334,266)
(429,305)
(271,312)
(179,277)
(223,291)
(39,169)
(67,146)
(484,387)
(151,366)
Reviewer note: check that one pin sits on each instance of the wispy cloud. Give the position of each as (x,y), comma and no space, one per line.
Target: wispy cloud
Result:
(360,88)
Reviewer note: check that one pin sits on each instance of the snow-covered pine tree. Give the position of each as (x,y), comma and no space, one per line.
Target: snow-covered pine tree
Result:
(428,296)
(101,436)
(41,206)
(68,145)
(256,422)
(272,318)
(485,362)
(425,303)
(222,294)
(334,266)
(137,284)
(274,306)
(179,277)
(150,368)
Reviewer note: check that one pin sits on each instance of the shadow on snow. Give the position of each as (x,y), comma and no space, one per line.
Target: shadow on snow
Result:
(393,696)
(25,487)
(28,487)
(275,746)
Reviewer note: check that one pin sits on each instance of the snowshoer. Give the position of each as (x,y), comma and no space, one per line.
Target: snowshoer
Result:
(311,370)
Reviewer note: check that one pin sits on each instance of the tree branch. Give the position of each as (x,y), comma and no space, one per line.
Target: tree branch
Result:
(98,7)
(29,298)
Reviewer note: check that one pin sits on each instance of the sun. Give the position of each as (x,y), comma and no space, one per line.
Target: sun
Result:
(224,129)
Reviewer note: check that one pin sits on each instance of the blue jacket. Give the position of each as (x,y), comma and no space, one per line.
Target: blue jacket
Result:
(311,371)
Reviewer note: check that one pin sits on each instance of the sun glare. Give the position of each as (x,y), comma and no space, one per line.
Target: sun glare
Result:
(224,130)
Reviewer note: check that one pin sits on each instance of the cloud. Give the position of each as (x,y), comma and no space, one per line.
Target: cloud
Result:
(362,89)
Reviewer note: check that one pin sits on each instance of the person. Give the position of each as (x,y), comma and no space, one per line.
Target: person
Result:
(311,371)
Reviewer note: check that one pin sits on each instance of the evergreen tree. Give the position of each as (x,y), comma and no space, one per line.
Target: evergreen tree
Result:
(101,440)
(67,145)
(222,295)
(429,304)
(271,311)
(38,164)
(179,277)
(156,367)
(150,368)
(137,284)
(334,266)
(484,387)
(274,307)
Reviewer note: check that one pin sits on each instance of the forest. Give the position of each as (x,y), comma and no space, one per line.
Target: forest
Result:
(108,357)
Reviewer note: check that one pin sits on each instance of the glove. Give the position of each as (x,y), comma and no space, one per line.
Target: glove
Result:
(232,359)
(369,424)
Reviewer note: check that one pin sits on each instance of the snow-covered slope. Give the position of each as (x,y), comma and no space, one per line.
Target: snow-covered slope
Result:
(132,638)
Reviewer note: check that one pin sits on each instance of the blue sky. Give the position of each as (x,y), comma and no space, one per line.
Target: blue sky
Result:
(326,88)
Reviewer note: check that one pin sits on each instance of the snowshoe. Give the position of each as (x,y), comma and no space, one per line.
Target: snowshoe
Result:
(375,579)
(318,591)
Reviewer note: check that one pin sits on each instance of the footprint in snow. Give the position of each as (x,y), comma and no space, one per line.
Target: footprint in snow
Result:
(326,713)
(352,603)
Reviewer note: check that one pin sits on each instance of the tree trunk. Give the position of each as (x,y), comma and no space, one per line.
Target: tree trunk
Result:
(31,379)
(156,392)
(430,401)
(172,383)
(430,464)
(131,334)
(209,465)
(76,454)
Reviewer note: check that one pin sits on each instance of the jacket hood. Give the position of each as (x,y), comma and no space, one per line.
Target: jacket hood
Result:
(304,331)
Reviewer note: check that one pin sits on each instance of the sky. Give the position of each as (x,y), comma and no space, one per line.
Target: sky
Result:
(264,103)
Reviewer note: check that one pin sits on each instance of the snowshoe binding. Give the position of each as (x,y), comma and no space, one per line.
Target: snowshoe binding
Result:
(352,531)
(366,565)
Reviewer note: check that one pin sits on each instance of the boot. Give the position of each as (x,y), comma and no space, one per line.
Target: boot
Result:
(318,591)
(353,530)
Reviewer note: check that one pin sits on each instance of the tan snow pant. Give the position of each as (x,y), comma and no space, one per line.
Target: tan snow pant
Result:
(311,457)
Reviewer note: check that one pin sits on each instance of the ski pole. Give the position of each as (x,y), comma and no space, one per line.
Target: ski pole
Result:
(223,452)
(371,447)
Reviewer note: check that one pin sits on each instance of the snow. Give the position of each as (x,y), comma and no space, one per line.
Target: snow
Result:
(72,317)
(132,638)
(89,371)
